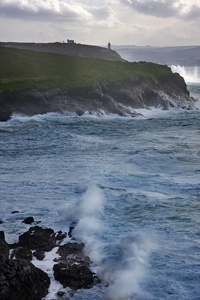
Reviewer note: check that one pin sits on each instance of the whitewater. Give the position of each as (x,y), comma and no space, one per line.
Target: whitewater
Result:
(130,184)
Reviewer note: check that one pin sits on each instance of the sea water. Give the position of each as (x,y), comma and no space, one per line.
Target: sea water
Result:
(131,184)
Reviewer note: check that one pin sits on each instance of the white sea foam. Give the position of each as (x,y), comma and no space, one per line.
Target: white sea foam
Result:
(47,266)
(124,273)
(86,212)
(128,269)
(191,75)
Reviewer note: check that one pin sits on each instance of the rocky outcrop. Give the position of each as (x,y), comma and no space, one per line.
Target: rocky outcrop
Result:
(37,238)
(21,280)
(73,268)
(4,248)
(105,97)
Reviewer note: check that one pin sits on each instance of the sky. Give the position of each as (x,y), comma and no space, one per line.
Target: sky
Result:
(97,22)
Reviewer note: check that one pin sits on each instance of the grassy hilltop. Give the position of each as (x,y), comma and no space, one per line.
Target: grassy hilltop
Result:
(23,70)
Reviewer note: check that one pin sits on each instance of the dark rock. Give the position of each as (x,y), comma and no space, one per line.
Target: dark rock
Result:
(39,254)
(28,220)
(75,276)
(73,250)
(106,96)
(4,248)
(1,222)
(60,235)
(61,294)
(22,253)
(5,115)
(37,238)
(73,269)
(21,280)
(71,228)
(15,212)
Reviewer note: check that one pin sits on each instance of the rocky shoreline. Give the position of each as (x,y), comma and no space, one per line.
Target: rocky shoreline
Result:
(105,97)
(21,280)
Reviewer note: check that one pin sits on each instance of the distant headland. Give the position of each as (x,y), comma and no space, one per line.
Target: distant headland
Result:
(67,77)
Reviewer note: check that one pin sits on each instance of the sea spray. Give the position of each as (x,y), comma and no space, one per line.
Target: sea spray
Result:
(86,213)
(125,272)
(191,75)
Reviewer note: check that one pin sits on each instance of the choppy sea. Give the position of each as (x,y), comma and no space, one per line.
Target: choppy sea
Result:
(131,184)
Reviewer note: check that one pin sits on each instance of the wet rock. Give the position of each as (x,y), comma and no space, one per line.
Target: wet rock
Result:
(21,280)
(75,276)
(60,235)
(4,248)
(38,238)
(71,228)
(40,255)
(1,222)
(22,253)
(73,251)
(15,212)
(105,96)
(73,268)
(28,220)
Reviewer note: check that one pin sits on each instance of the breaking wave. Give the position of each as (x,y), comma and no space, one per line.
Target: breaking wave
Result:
(121,271)
(190,74)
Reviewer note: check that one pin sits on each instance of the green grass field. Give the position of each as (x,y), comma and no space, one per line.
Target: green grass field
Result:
(22,70)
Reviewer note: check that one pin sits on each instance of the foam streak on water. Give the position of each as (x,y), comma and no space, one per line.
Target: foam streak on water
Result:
(130,184)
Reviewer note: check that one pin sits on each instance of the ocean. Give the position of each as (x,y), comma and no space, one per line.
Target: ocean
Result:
(131,184)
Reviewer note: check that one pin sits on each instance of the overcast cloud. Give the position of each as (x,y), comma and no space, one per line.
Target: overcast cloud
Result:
(140,22)
(183,9)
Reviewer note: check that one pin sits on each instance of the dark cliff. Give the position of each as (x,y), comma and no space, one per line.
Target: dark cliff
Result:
(33,82)
(105,97)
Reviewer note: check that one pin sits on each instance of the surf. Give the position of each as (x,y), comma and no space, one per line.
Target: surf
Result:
(190,74)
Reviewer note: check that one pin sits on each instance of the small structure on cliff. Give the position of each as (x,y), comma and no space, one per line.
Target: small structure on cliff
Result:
(109,46)
(70,42)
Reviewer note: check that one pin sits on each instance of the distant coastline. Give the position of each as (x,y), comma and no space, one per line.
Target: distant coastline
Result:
(188,56)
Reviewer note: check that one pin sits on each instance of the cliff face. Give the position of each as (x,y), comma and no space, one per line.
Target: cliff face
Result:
(119,97)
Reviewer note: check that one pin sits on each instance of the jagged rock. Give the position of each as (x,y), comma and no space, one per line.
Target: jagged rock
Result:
(60,235)
(4,248)
(22,253)
(109,96)
(73,269)
(37,238)
(40,255)
(28,220)
(76,276)
(21,280)
(71,228)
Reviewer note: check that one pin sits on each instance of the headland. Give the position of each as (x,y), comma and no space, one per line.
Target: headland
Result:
(57,77)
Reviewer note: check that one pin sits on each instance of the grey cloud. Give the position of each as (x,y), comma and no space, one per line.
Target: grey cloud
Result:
(40,11)
(158,8)
(193,14)
(101,13)
(64,11)
(166,8)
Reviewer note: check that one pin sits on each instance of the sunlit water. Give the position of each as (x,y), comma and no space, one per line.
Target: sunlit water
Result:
(132,186)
